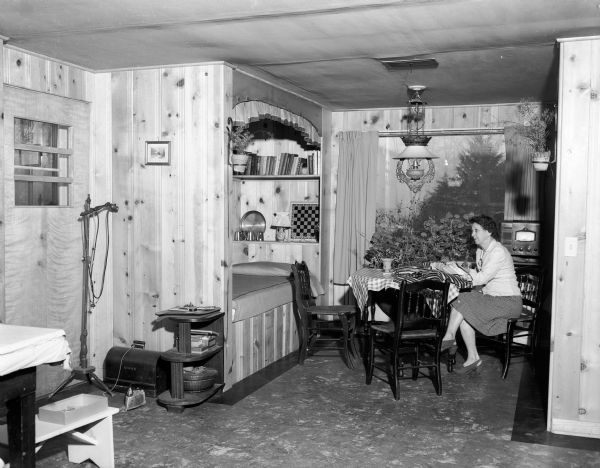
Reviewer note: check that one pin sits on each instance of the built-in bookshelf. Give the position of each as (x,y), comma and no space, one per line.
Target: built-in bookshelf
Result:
(277,177)
(284,164)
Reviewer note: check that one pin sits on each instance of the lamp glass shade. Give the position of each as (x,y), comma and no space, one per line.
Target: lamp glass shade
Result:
(416,152)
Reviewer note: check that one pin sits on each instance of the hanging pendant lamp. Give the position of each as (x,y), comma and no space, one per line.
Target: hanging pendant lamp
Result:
(415,140)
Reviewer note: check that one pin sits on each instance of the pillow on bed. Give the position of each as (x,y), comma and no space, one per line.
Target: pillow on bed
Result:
(275,269)
(262,268)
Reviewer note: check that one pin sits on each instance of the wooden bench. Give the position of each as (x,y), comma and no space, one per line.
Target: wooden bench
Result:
(91,437)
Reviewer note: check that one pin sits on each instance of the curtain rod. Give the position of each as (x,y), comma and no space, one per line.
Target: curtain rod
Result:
(447,132)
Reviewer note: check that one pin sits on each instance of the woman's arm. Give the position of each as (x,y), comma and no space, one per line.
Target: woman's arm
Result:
(492,262)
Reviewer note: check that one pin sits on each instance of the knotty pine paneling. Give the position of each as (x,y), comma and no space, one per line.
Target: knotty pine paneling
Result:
(123,161)
(261,340)
(574,408)
(41,74)
(170,248)
(2,177)
(274,195)
(100,189)
(327,209)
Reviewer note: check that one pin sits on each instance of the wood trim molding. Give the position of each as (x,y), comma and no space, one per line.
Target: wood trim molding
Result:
(575,428)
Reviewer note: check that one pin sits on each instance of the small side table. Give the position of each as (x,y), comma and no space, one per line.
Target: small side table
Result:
(176,399)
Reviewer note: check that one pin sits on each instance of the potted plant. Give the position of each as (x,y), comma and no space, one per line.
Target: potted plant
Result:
(239,139)
(535,126)
(441,239)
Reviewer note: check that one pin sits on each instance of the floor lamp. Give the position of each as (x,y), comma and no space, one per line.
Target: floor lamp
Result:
(84,371)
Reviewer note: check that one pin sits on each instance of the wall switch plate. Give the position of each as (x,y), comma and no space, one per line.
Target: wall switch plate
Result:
(570,246)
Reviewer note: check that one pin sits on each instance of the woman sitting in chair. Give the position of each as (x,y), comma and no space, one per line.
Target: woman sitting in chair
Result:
(495,296)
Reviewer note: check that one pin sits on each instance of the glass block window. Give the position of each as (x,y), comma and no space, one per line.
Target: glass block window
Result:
(42,161)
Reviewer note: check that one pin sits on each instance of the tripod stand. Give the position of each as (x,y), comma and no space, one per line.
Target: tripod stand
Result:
(85,371)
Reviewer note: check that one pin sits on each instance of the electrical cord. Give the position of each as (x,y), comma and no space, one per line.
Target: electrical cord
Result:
(120,367)
(95,297)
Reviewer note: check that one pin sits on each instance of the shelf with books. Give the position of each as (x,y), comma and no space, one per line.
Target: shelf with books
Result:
(293,242)
(284,164)
(275,176)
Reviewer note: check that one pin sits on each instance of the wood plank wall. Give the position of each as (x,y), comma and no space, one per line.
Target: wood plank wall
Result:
(2,176)
(43,74)
(261,340)
(100,175)
(574,406)
(169,247)
(42,246)
(385,120)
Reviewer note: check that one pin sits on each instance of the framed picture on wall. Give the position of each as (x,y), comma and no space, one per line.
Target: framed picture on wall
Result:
(158,153)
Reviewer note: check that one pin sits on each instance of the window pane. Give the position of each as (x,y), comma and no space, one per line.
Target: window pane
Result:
(31,132)
(41,193)
(41,164)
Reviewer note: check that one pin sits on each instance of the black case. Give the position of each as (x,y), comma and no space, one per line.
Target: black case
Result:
(140,368)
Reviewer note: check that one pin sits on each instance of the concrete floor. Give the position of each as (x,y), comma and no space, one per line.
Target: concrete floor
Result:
(323,414)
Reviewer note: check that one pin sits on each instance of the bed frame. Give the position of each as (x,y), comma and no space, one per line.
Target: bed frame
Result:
(260,340)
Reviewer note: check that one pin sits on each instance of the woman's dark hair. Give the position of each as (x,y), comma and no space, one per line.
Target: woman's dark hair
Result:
(486,223)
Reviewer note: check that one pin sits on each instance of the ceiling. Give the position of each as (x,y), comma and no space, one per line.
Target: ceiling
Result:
(488,51)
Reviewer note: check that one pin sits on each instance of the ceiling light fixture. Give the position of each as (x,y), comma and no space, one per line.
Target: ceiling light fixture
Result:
(416,144)
(403,63)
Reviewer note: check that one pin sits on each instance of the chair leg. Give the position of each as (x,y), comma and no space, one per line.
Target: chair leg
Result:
(451,362)
(507,348)
(415,363)
(370,358)
(353,348)
(438,373)
(302,345)
(346,333)
(395,383)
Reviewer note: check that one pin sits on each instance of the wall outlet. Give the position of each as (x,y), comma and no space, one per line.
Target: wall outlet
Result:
(570,246)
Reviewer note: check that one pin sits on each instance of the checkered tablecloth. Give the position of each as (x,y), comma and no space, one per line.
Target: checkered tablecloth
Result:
(372,279)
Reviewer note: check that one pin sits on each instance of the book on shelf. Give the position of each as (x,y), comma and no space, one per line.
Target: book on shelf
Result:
(311,163)
(202,340)
(282,164)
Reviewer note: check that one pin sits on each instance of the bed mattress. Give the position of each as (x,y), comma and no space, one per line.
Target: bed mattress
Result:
(22,347)
(254,294)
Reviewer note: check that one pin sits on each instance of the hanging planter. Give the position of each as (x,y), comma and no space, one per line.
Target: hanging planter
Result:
(536,126)
(541,160)
(239,159)
(239,139)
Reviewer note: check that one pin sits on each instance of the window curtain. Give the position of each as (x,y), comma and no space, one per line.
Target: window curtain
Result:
(355,205)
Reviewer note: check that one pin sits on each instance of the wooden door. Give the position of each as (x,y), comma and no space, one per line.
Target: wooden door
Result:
(43,247)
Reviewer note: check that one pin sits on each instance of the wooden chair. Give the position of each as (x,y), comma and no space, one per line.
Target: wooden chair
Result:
(520,336)
(524,328)
(322,327)
(419,322)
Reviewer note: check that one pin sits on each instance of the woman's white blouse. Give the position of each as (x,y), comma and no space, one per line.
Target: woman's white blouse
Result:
(496,271)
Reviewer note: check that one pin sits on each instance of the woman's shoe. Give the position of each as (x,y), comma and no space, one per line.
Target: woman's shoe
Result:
(449,345)
(471,368)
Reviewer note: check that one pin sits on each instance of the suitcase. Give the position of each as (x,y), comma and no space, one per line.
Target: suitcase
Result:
(138,368)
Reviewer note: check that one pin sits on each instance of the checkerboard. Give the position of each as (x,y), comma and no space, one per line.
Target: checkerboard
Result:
(305,222)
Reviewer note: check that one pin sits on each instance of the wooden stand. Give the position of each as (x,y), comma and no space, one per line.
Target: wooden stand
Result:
(176,399)
(85,371)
